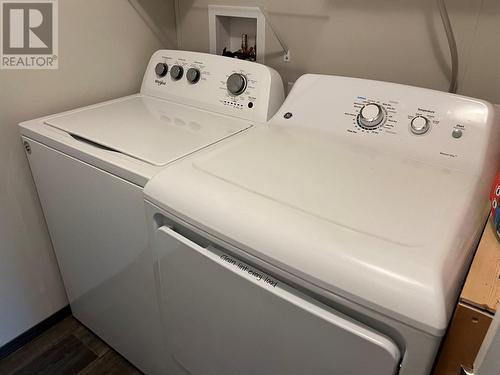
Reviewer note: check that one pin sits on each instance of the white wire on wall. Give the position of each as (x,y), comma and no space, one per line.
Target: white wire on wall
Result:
(282,43)
(148,21)
(451,43)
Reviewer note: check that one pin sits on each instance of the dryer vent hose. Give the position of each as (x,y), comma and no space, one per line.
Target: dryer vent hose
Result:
(451,43)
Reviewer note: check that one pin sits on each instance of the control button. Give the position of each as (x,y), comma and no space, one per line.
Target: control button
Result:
(250,104)
(456,133)
(176,72)
(161,69)
(236,83)
(419,125)
(193,75)
(371,116)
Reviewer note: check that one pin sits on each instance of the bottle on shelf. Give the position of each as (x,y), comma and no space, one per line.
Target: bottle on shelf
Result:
(244,53)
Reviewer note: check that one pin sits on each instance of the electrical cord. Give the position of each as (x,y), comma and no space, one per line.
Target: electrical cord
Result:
(451,43)
(267,19)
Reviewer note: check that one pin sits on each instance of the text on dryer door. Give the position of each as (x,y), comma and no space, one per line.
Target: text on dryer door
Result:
(246,269)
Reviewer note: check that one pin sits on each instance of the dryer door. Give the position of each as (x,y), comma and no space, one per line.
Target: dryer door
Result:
(223,316)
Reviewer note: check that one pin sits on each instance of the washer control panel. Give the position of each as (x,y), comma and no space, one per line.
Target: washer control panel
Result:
(230,86)
(417,123)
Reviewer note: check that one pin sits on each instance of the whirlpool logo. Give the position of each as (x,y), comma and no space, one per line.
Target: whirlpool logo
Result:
(29,34)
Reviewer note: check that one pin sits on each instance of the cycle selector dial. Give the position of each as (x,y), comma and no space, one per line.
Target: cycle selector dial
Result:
(176,72)
(371,116)
(236,83)
(420,125)
(161,69)
(193,75)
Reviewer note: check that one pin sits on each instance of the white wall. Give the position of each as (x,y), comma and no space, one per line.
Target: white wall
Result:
(393,40)
(103,48)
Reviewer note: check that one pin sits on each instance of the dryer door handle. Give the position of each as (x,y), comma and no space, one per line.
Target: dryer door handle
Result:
(190,242)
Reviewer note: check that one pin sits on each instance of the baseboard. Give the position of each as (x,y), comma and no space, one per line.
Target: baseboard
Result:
(34,332)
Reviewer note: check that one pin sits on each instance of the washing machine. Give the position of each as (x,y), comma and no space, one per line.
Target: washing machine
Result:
(334,240)
(90,166)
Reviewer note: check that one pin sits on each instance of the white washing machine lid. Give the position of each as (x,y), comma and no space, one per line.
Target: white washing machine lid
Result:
(391,234)
(148,129)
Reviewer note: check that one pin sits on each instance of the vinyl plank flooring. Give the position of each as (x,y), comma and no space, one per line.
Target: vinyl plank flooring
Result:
(91,341)
(38,346)
(68,356)
(110,364)
(67,348)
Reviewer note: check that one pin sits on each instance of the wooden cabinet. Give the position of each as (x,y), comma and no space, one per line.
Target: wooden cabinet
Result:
(474,312)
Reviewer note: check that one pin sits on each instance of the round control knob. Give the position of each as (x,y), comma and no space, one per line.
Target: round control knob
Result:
(193,75)
(161,69)
(419,125)
(371,116)
(236,83)
(176,72)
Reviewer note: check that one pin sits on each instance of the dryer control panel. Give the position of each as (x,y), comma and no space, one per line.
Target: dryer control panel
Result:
(225,85)
(427,125)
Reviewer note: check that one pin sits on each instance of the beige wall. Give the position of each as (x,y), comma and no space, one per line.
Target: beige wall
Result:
(392,40)
(103,47)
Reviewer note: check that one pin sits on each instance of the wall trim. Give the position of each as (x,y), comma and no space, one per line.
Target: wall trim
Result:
(34,332)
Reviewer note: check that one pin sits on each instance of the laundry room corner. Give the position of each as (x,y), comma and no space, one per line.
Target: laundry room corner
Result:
(103,48)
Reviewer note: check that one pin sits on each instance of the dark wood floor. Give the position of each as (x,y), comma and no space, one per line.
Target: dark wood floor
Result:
(65,349)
